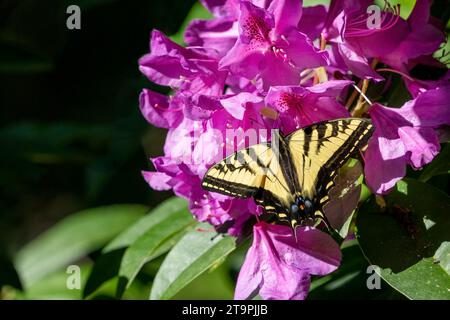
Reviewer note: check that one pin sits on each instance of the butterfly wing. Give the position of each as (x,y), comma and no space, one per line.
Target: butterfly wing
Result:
(315,154)
(251,172)
(318,151)
(241,174)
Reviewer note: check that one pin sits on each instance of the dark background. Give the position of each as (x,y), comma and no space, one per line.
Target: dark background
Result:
(71,134)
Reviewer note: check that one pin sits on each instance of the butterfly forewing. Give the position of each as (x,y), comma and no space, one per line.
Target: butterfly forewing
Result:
(241,174)
(319,150)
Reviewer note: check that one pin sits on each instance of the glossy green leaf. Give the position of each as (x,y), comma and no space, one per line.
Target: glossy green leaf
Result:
(161,235)
(404,239)
(310,3)
(54,286)
(196,252)
(439,165)
(442,256)
(200,289)
(170,206)
(107,266)
(406,6)
(350,279)
(73,238)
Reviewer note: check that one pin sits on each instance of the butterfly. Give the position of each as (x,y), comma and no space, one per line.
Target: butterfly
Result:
(291,176)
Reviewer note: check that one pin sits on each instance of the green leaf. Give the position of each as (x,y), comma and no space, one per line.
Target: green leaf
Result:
(404,239)
(310,3)
(198,11)
(163,234)
(109,263)
(406,6)
(170,206)
(439,165)
(195,253)
(54,286)
(73,238)
(106,267)
(200,288)
(349,280)
(442,256)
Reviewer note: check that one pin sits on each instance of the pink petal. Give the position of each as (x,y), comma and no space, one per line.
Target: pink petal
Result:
(313,21)
(422,143)
(287,14)
(157,180)
(381,174)
(250,278)
(280,267)
(302,52)
(236,105)
(357,63)
(431,108)
(156,110)
(217,34)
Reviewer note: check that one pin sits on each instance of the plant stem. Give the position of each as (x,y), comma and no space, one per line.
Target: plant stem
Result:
(321,73)
(360,105)
(361,102)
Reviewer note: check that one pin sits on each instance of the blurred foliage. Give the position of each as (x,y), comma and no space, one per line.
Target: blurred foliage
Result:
(71,132)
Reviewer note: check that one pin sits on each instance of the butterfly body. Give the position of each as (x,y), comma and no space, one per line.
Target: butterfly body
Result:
(292,175)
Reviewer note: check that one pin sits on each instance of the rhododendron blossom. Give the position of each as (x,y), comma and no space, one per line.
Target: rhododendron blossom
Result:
(263,65)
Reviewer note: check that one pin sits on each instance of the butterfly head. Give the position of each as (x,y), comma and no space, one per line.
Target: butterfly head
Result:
(300,210)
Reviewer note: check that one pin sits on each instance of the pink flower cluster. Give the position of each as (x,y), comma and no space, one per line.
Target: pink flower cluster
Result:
(264,64)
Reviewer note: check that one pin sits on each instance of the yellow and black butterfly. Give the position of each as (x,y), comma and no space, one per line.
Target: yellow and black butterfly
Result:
(292,175)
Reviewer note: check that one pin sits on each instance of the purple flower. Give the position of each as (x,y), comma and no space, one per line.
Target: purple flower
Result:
(218,34)
(405,136)
(221,32)
(160,110)
(299,107)
(171,65)
(312,21)
(394,42)
(270,47)
(279,267)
